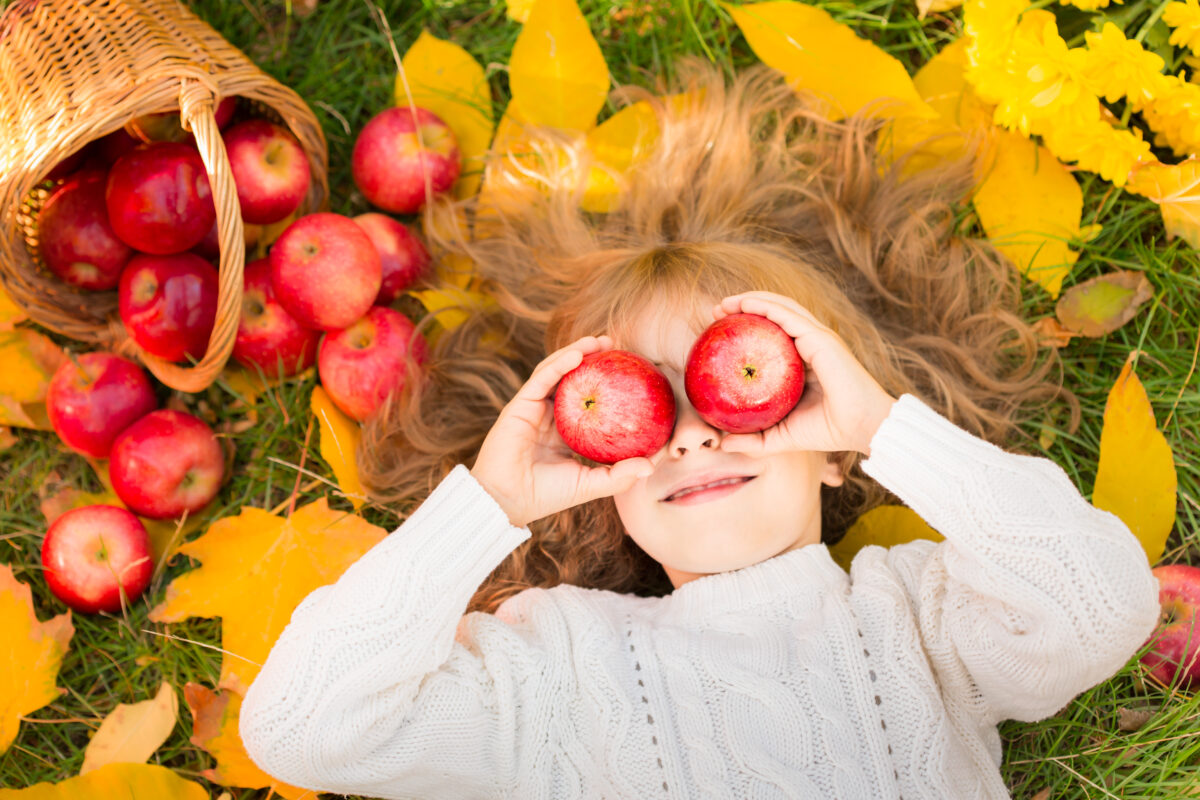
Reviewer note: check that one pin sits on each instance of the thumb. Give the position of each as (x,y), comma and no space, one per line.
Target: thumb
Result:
(607,481)
(749,443)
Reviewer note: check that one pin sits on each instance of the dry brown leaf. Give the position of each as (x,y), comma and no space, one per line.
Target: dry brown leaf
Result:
(1051,333)
(1132,719)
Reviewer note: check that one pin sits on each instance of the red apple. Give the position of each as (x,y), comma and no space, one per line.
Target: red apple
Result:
(403,258)
(1175,652)
(161,127)
(361,365)
(166,463)
(268,337)
(326,271)
(68,165)
(614,405)
(224,111)
(390,163)
(93,399)
(158,198)
(110,148)
(269,168)
(169,304)
(77,242)
(743,374)
(93,553)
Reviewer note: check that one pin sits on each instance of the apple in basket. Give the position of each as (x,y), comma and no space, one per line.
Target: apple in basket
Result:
(158,198)
(167,126)
(614,405)
(1175,649)
(76,240)
(94,553)
(326,271)
(169,303)
(166,463)
(268,337)
(94,397)
(361,365)
(270,170)
(743,374)
(402,256)
(396,152)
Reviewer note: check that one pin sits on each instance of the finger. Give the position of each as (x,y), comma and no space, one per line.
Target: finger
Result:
(751,444)
(549,372)
(598,482)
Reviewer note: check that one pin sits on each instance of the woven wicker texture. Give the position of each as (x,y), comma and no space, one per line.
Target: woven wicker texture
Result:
(72,71)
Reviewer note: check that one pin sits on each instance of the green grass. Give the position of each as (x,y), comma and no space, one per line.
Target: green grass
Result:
(338,59)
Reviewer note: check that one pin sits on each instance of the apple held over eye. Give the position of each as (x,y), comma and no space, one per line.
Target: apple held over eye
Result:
(396,151)
(92,400)
(743,374)
(94,553)
(361,365)
(169,304)
(401,255)
(269,338)
(1175,652)
(76,239)
(158,198)
(166,463)
(614,405)
(270,170)
(326,271)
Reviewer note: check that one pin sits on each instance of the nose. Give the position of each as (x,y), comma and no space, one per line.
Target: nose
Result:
(691,433)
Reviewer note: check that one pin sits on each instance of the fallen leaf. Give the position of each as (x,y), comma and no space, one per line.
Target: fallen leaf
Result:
(215,730)
(1132,719)
(451,305)
(339,444)
(243,555)
(556,73)
(31,657)
(132,732)
(1136,477)
(1103,304)
(1051,333)
(28,361)
(1030,206)
(617,144)
(924,7)
(942,83)
(518,10)
(7,438)
(1043,794)
(1176,189)
(10,313)
(886,526)
(442,77)
(819,55)
(126,781)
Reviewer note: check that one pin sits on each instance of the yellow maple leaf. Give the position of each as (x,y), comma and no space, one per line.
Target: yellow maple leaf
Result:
(1136,477)
(1176,189)
(442,77)
(518,10)
(339,444)
(255,569)
(30,657)
(886,526)
(820,55)
(132,731)
(126,781)
(28,361)
(215,718)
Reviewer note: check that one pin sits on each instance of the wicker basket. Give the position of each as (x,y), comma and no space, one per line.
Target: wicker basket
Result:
(72,71)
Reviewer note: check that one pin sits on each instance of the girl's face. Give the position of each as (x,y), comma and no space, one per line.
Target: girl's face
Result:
(776,510)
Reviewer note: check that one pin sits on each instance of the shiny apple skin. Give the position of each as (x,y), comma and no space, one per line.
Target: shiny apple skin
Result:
(389,164)
(90,404)
(169,303)
(268,337)
(402,256)
(166,463)
(1175,654)
(158,198)
(326,271)
(270,170)
(743,374)
(76,240)
(614,405)
(90,553)
(361,365)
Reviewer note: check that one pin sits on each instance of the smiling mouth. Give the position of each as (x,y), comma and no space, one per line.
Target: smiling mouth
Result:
(707,486)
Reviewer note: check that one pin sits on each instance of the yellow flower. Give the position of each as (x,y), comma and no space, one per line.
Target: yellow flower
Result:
(1098,147)
(1043,77)
(1117,67)
(1087,5)
(1174,116)
(1185,19)
(989,26)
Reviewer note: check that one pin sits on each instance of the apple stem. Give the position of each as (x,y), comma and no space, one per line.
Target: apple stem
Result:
(748,372)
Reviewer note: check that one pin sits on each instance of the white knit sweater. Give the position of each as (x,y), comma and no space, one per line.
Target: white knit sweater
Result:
(788,678)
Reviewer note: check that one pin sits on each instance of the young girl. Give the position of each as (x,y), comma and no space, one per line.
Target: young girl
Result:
(674,626)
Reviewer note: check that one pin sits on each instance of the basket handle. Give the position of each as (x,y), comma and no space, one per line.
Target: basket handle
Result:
(196,112)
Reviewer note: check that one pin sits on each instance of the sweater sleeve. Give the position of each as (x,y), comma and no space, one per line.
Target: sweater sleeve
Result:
(367,690)
(1035,595)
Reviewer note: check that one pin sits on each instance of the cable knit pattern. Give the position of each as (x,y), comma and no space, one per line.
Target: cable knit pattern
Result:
(785,679)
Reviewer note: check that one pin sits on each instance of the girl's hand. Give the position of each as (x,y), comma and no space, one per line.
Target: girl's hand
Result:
(524,463)
(842,405)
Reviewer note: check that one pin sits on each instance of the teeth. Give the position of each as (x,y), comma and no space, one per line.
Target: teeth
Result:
(713,485)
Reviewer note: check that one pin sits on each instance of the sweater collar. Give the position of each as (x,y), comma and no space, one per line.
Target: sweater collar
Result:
(804,572)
